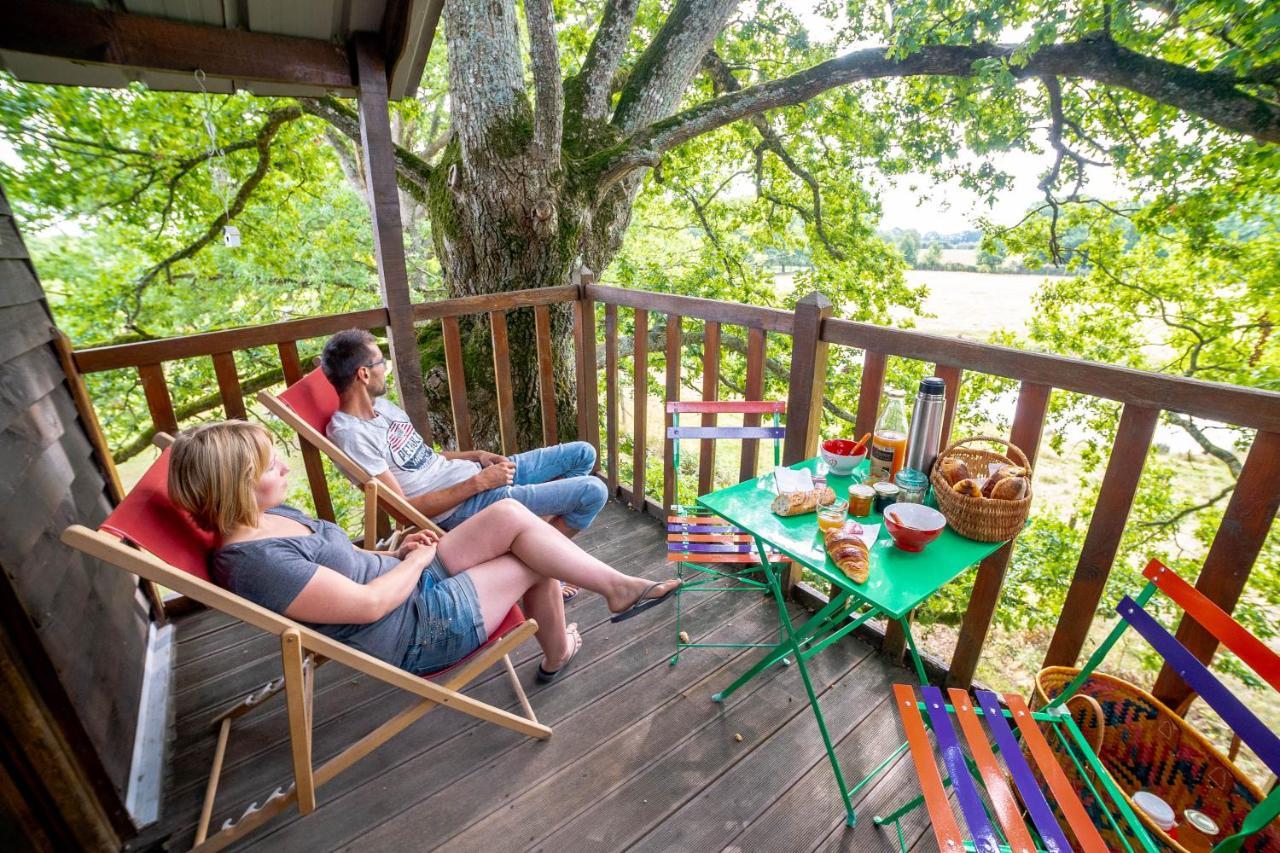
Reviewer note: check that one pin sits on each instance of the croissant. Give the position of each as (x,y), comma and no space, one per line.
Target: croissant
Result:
(1011,489)
(968,488)
(848,551)
(1002,473)
(798,503)
(953,470)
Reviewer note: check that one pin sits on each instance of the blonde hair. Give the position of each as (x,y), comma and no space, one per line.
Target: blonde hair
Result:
(214,469)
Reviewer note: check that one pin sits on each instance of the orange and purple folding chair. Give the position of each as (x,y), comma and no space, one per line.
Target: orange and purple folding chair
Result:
(711,555)
(1057,813)
(152,538)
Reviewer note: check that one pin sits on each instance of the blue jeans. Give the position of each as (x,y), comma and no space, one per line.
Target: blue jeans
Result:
(450,624)
(577,496)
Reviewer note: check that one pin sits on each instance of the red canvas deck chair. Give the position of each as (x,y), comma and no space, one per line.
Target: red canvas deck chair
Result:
(150,537)
(306,406)
(710,554)
(1063,802)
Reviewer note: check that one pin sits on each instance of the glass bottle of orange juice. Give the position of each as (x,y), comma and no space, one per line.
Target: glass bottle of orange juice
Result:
(889,441)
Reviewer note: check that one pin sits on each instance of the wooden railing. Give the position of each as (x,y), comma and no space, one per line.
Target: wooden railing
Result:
(813,331)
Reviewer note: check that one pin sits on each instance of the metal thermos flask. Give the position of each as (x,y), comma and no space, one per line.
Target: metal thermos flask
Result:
(926,425)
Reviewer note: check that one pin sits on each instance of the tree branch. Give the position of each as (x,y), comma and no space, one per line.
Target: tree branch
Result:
(668,64)
(595,80)
(548,88)
(723,81)
(1095,58)
(1186,511)
(276,119)
(412,171)
(1226,457)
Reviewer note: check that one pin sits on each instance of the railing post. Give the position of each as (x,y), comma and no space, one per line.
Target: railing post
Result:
(388,233)
(808,379)
(584,326)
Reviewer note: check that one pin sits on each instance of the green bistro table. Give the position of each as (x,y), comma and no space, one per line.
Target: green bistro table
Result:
(899,582)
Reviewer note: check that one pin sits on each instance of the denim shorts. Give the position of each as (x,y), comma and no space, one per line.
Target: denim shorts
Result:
(450,624)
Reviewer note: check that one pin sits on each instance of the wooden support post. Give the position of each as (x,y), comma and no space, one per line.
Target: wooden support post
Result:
(89,415)
(456,373)
(159,402)
(808,379)
(670,476)
(224,368)
(611,395)
(1245,526)
(502,379)
(750,460)
(874,365)
(1028,425)
(388,234)
(1110,514)
(951,377)
(710,392)
(640,408)
(546,374)
(589,390)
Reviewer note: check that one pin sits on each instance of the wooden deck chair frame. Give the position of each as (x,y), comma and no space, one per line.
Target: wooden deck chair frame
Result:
(710,554)
(377,495)
(301,650)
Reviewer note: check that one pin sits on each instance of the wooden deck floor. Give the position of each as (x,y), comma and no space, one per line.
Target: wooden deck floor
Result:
(640,759)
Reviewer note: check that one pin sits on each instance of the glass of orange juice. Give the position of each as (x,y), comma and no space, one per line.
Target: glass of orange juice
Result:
(832,516)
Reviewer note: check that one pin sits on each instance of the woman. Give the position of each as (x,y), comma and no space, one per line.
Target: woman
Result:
(422,607)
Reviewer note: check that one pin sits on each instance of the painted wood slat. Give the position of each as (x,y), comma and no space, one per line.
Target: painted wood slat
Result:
(709,433)
(502,379)
(998,792)
(722,407)
(546,374)
(984,839)
(710,392)
(457,382)
(945,828)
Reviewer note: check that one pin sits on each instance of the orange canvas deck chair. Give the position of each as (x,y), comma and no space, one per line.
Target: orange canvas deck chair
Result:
(307,405)
(152,538)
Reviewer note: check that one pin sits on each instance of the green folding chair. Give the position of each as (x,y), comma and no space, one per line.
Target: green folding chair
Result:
(711,555)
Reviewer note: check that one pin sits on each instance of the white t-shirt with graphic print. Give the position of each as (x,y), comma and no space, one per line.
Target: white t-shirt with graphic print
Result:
(388,442)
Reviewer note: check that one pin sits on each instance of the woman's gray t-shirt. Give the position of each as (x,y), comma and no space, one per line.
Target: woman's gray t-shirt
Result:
(271,572)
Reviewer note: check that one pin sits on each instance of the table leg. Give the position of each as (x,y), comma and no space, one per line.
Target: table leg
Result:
(915,654)
(808,689)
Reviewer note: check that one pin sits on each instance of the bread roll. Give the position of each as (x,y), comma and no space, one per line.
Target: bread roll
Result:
(1011,489)
(953,470)
(1002,473)
(969,488)
(847,550)
(798,503)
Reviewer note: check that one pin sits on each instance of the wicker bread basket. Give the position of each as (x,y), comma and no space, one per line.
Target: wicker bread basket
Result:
(983,519)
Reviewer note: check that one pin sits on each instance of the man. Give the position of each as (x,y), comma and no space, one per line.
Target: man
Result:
(448,486)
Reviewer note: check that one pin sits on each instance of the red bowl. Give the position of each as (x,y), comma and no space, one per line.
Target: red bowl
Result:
(920,525)
(840,456)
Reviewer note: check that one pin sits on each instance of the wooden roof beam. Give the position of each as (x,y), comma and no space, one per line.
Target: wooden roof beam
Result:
(84,34)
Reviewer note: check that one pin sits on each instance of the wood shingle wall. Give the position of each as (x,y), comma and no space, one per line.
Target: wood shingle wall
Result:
(74,631)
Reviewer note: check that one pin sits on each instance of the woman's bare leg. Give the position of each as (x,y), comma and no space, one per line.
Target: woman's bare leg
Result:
(507,526)
(503,581)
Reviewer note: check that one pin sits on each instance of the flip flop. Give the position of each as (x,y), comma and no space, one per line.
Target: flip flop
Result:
(643,603)
(545,677)
(565,592)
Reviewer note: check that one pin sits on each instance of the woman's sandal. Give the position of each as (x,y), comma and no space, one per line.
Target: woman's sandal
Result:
(568,591)
(571,630)
(643,603)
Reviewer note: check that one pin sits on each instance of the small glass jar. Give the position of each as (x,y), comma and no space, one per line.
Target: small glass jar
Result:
(912,485)
(886,494)
(860,497)
(832,515)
